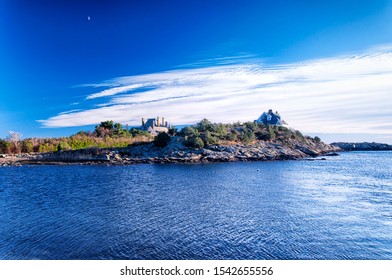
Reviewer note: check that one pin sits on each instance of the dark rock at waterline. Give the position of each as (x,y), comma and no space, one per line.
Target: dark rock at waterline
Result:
(332,154)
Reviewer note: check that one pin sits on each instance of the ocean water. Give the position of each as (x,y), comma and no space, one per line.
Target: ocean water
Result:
(339,208)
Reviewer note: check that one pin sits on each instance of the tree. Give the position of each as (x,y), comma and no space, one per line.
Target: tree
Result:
(107,124)
(84,133)
(317,139)
(118,129)
(14,139)
(104,129)
(205,125)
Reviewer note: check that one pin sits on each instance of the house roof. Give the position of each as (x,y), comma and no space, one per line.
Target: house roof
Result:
(271,118)
(149,123)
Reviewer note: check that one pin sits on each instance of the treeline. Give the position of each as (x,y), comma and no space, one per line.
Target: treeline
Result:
(106,135)
(206,133)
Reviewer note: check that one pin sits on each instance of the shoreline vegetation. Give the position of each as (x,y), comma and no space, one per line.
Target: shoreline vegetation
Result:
(111,144)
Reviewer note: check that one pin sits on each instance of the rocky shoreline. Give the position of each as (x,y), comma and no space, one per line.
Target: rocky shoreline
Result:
(176,152)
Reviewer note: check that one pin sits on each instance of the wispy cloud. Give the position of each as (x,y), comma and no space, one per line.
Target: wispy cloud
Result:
(114,91)
(347,94)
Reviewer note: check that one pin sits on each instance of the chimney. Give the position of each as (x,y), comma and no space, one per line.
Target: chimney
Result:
(143,123)
(163,121)
(158,121)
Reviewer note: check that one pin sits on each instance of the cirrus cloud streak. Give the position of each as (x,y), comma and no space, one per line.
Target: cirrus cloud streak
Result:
(347,94)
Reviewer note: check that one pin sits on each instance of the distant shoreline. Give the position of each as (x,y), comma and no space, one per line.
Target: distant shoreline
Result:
(362,146)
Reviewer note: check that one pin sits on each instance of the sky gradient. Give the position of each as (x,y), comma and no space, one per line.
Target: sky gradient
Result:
(68,65)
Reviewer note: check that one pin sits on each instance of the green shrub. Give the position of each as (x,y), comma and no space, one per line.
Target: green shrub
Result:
(162,140)
(271,132)
(138,132)
(189,132)
(63,146)
(195,142)
(262,135)
(232,135)
(47,148)
(118,130)
(248,137)
(27,146)
(208,139)
(298,134)
(4,146)
(251,126)
(221,131)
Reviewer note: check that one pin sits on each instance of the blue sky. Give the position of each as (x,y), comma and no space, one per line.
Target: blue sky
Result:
(326,67)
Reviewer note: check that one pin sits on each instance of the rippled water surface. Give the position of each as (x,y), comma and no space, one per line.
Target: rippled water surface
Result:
(340,208)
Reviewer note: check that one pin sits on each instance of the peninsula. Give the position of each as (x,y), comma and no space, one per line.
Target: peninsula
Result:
(268,138)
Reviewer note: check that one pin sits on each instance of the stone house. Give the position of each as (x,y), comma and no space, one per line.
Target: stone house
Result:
(155,126)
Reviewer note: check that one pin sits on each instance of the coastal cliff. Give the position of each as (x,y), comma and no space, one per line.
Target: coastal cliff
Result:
(177,152)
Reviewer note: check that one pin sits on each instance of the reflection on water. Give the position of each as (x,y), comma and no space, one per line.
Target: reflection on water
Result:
(335,209)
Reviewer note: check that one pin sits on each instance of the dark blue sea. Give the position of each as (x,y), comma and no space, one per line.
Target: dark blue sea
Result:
(339,208)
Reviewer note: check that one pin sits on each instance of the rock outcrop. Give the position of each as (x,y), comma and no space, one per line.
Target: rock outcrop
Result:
(176,152)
